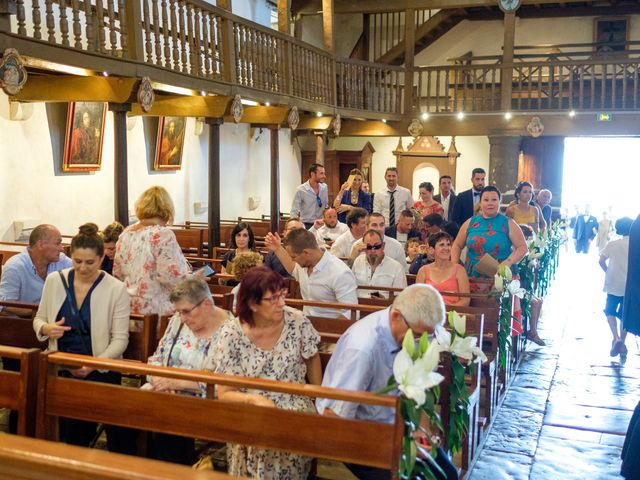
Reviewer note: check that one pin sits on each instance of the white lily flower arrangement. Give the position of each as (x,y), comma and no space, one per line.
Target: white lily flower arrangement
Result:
(415,376)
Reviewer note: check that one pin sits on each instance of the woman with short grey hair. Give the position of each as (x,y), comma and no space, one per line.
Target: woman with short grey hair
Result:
(188,348)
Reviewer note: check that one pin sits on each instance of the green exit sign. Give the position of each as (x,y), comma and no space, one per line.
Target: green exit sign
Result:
(605,117)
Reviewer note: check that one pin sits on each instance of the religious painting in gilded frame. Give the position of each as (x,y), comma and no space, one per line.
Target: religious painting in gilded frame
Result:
(170,143)
(84,136)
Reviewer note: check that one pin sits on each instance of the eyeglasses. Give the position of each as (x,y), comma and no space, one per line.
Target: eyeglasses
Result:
(187,311)
(282,294)
(319,200)
(376,246)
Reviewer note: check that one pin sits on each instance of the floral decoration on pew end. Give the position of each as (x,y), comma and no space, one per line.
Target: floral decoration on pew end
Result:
(505,288)
(461,347)
(415,376)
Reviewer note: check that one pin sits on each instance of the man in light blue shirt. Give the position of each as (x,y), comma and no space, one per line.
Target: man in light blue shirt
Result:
(311,197)
(364,355)
(23,275)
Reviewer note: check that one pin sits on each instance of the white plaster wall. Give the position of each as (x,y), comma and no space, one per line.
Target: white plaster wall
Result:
(346,30)
(486,37)
(255,10)
(32,188)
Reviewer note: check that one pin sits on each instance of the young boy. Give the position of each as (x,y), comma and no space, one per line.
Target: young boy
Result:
(617,253)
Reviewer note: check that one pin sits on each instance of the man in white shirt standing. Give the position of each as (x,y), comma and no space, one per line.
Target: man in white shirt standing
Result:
(446,197)
(393,199)
(376,269)
(328,228)
(322,277)
(356,222)
(393,248)
(311,197)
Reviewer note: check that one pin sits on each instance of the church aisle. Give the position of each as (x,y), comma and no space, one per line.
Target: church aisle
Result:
(567,411)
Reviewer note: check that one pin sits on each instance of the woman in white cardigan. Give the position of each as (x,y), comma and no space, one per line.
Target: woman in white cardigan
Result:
(86,311)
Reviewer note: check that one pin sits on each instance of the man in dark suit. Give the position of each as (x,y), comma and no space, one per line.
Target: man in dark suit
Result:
(446,197)
(585,229)
(404,229)
(465,203)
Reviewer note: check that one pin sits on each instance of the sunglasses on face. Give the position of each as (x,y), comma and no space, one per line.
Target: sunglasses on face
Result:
(376,246)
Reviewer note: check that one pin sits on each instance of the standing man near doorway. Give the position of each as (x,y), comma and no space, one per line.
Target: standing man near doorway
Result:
(446,197)
(466,202)
(393,199)
(312,197)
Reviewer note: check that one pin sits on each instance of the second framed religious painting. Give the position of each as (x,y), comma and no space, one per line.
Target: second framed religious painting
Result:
(84,136)
(170,143)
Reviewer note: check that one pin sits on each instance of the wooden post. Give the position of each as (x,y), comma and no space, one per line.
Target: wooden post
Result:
(120,175)
(319,147)
(135,33)
(214,183)
(409,57)
(284,16)
(327,25)
(507,60)
(225,4)
(7,8)
(229,72)
(275,179)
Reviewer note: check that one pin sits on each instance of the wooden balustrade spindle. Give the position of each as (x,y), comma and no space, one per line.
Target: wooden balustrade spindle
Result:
(166,48)
(99,23)
(88,26)
(113,37)
(124,35)
(635,86)
(37,20)
(64,23)
(77,31)
(625,80)
(156,32)
(174,34)
(213,46)
(191,41)
(238,38)
(206,44)
(21,18)
(197,13)
(148,45)
(183,37)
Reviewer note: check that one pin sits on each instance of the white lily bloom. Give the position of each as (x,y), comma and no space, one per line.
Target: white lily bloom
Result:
(467,348)
(459,323)
(498,283)
(515,290)
(414,378)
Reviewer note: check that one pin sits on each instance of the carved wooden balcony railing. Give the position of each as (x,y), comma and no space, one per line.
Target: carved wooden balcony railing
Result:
(198,41)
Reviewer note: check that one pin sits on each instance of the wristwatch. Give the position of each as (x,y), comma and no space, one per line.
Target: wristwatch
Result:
(509,6)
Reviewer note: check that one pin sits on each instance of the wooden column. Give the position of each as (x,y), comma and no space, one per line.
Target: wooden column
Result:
(275,179)
(225,4)
(214,183)
(327,25)
(7,8)
(135,34)
(507,60)
(409,57)
(319,147)
(120,175)
(503,161)
(284,16)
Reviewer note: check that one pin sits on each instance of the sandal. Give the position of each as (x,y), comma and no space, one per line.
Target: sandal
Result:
(536,339)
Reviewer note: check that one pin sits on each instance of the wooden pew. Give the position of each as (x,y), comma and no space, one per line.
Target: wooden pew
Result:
(143,337)
(190,240)
(356,441)
(23,458)
(18,389)
(354,309)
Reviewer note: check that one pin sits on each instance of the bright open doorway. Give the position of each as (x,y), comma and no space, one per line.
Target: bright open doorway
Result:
(604,173)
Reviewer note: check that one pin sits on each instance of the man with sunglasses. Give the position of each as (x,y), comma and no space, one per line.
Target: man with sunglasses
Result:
(393,248)
(376,269)
(364,355)
(311,197)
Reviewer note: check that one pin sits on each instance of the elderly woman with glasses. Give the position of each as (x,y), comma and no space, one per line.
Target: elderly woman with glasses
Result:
(269,341)
(188,348)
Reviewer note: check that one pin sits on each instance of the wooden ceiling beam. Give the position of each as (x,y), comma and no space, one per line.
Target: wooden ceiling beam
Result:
(58,88)
(185,106)
(262,115)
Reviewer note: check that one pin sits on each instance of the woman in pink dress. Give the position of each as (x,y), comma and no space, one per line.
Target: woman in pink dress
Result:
(148,258)
(427,205)
(443,274)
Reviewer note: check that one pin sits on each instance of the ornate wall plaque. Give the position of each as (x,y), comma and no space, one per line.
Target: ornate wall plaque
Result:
(415,128)
(13,75)
(336,125)
(145,94)
(293,118)
(535,127)
(236,108)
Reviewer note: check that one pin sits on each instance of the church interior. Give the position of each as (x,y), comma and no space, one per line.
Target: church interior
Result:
(229,106)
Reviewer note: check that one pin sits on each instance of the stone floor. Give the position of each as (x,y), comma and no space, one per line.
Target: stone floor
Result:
(567,411)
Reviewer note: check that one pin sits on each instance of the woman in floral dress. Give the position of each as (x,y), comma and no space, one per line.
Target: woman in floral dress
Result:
(148,258)
(274,342)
